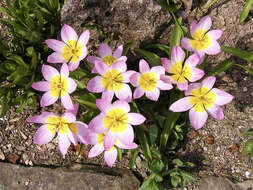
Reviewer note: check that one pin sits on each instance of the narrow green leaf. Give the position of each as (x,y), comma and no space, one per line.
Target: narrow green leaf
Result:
(147,182)
(245,11)
(248,148)
(248,133)
(153,133)
(4,106)
(126,47)
(175,180)
(247,56)
(87,104)
(245,68)
(18,60)
(156,166)
(162,47)
(223,66)
(119,154)
(80,84)
(176,34)
(150,57)
(134,154)
(178,162)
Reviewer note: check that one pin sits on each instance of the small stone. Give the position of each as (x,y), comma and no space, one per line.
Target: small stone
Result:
(192,134)
(15,119)
(209,140)
(13,158)
(23,135)
(2,157)
(232,148)
(245,89)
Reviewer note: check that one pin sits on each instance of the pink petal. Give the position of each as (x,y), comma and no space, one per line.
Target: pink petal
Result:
(185,43)
(64,70)
(81,128)
(41,86)
(124,93)
(48,72)
(127,136)
(42,118)
(73,65)
(122,105)
(104,50)
(95,85)
(153,94)
(68,33)
(92,59)
(84,37)
(166,63)
(222,97)
(205,23)
(158,70)
(110,156)
(101,67)
(97,124)
(91,138)
(63,143)
(166,79)
(215,34)
(122,58)
(135,118)
(83,55)
(134,79)
(47,99)
(138,93)
(95,151)
(192,60)
(201,58)
(196,74)
(126,146)
(192,87)
(143,66)
(73,111)
(55,58)
(181,105)
(104,104)
(109,140)
(216,112)
(197,119)
(108,94)
(55,45)
(182,86)
(43,135)
(163,86)
(193,26)
(177,54)
(209,82)
(71,118)
(213,49)
(71,85)
(72,137)
(67,102)
(120,66)
(118,52)
(127,75)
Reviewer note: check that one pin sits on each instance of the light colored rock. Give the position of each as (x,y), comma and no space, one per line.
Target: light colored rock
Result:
(246,185)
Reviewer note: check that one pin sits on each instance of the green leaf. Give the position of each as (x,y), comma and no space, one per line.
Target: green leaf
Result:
(247,56)
(88,104)
(146,184)
(248,133)
(18,60)
(134,154)
(156,166)
(176,35)
(162,47)
(80,84)
(248,148)
(119,154)
(153,133)
(245,11)
(178,162)
(245,68)
(127,47)
(223,66)
(151,58)
(175,180)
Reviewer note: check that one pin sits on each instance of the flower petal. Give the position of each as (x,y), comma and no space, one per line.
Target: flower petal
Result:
(84,37)
(192,60)
(101,67)
(209,82)
(205,24)
(71,85)
(138,92)
(122,58)
(67,102)
(71,118)
(55,45)
(135,118)
(177,54)
(122,105)
(164,86)
(119,65)
(63,143)
(41,86)
(216,112)
(127,75)
(48,72)
(182,86)
(215,34)
(47,99)
(193,26)
(95,85)
(127,136)
(72,137)
(118,52)
(95,150)
(92,59)
(166,63)
(126,146)
(109,140)
(43,135)
(181,105)
(153,94)
(55,58)
(110,156)
(192,87)
(42,118)
(158,70)
(104,104)
(91,138)
(222,97)
(125,93)
(197,119)
(104,50)
(68,33)
(143,66)
(196,74)
(97,124)
(213,49)
(73,111)
(185,43)
(64,70)
(73,65)
(134,79)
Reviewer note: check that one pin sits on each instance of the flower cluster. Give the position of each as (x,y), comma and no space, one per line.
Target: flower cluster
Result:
(112,127)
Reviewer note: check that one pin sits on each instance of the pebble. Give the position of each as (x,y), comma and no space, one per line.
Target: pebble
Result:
(2,157)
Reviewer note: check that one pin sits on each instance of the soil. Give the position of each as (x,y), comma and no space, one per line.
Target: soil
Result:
(215,149)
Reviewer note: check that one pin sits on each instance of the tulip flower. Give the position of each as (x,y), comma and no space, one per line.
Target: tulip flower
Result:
(203,41)
(181,72)
(57,85)
(148,81)
(71,49)
(200,99)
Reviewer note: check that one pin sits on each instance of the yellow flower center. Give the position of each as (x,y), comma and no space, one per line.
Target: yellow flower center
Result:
(202,98)
(180,72)
(100,141)
(113,80)
(147,81)
(109,60)
(72,127)
(58,86)
(116,120)
(201,40)
(72,51)
(59,124)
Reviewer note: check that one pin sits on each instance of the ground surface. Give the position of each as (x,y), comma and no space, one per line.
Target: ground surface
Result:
(215,149)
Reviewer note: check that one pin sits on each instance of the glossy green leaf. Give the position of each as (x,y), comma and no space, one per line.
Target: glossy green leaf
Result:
(176,34)
(153,133)
(221,67)
(88,104)
(245,11)
(178,162)
(134,154)
(162,47)
(126,47)
(175,180)
(156,166)
(247,56)
(150,57)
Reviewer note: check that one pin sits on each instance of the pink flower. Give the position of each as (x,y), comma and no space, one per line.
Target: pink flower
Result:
(106,56)
(115,122)
(204,41)
(181,73)
(56,85)
(112,81)
(71,49)
(148,81)
(66,126)
(200,99)
(110,156)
